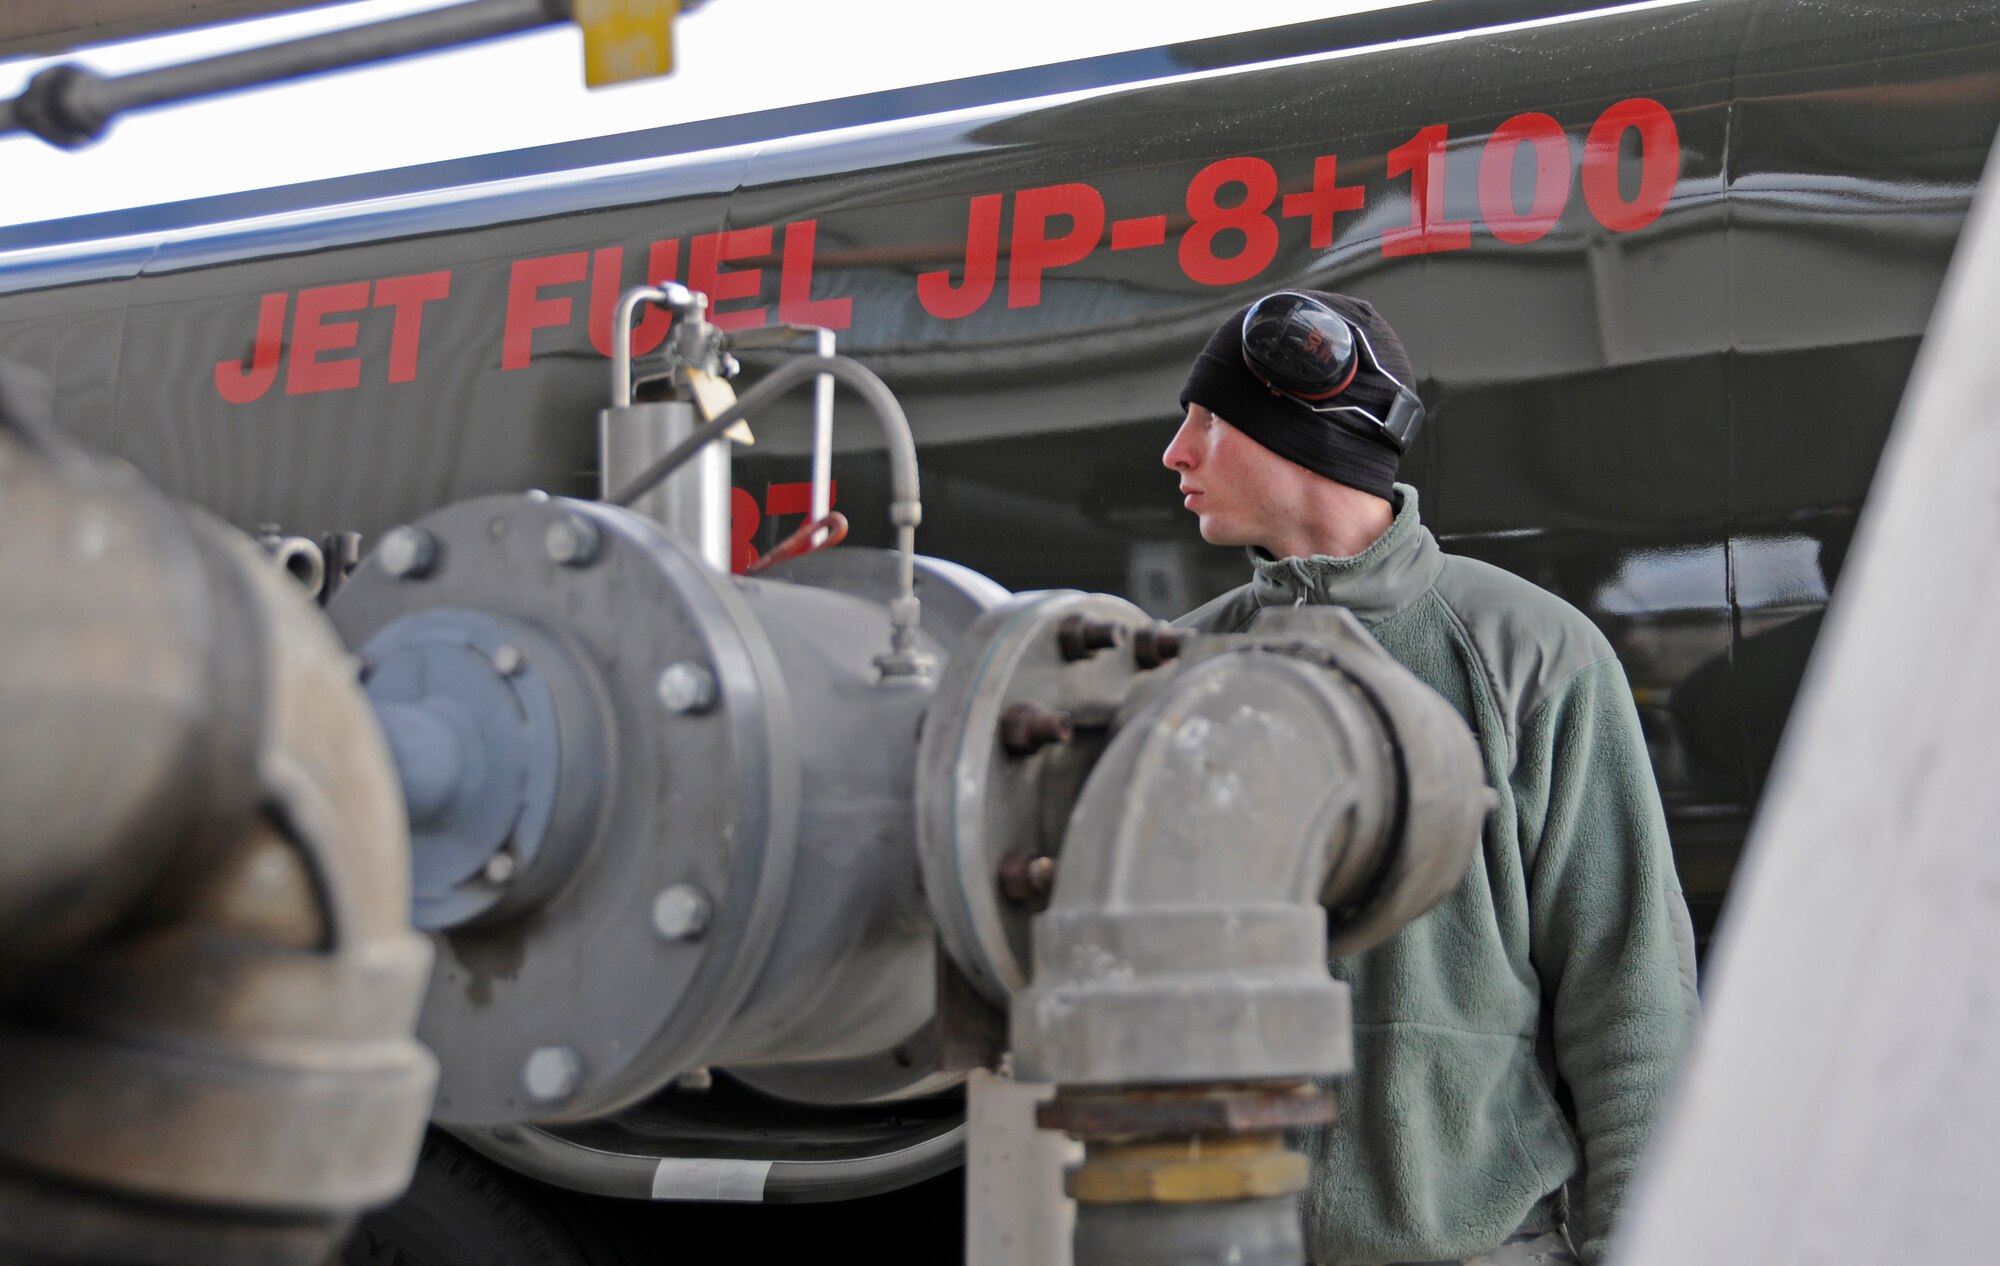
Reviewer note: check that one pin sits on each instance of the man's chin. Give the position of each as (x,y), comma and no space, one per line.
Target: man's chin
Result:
(1217,532)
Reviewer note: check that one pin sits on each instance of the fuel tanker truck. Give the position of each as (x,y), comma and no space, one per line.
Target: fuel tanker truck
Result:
(735,847)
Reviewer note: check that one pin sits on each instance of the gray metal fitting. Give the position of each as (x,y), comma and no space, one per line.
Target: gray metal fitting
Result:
(686,687)
(681,912)
(408,553)
(499,868)
(573,541)
(508,659)
(552,1073)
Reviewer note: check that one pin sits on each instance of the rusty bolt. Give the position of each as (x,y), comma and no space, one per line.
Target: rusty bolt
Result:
(1155,645)
(1026,729)
(1081,637)
(1026,876)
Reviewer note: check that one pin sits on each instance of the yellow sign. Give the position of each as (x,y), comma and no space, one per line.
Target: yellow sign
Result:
(626,39)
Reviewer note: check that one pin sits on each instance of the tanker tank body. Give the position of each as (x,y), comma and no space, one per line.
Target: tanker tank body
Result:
(1663,267)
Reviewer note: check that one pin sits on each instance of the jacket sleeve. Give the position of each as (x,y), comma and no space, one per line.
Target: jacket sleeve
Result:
(1609,931)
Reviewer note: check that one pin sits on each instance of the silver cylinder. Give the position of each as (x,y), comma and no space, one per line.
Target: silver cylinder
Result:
(693,502)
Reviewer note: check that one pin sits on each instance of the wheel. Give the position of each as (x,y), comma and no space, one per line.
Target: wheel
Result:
(462,1210)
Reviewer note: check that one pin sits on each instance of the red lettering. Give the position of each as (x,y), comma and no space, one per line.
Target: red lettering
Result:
(311,336)
(607,283)
(796,306)
(527,311)
(1248,217)
(408,295)
(1140,232)
(797,498)
(1423,156)
(1035,252)
(1323,201)
(711,251)
(1497,203)
(239,385)
(982,252)
(743,520)
(1659,164)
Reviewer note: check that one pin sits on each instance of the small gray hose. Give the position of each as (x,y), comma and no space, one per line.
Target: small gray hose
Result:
(905,506)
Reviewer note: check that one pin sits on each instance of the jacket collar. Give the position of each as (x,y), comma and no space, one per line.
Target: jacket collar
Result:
(1374,584)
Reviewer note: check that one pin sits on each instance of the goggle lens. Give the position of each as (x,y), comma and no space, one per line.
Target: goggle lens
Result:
(1299,347)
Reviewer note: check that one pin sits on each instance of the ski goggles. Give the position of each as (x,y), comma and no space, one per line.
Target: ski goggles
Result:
(1299,347)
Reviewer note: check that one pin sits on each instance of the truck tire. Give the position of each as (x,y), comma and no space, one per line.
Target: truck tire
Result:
(462,1210)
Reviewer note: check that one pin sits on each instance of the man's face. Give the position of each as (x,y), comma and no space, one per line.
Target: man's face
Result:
(1242,492)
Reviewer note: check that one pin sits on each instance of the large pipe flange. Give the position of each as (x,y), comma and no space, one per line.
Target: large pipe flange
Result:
(658,861)
(1023,710)
(498,738)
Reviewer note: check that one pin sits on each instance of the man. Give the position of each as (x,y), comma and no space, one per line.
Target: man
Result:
(1513,1046)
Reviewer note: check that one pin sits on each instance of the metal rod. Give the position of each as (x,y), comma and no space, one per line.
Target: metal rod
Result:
(70,106)
(822,469)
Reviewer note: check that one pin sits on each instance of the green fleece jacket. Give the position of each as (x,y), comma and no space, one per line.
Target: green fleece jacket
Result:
(1521,1035)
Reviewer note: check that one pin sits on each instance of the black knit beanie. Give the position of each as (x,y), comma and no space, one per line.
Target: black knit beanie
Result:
(1322,443)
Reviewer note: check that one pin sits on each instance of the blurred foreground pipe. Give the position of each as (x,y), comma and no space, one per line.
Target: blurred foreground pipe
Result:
(210,983)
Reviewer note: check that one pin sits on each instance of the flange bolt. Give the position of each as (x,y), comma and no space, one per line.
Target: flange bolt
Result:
(687,688)
(1026,728)
(681,913)
(1026,877)
(573,541)
(552,1073)
(1155,645)
(1080,636)
(408,553)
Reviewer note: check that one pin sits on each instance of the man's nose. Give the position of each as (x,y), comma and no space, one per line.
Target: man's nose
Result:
(1179,455)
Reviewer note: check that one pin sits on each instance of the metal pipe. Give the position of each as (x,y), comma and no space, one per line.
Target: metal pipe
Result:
(184,729)
(70,106)
(672,296)
(822,469)
(905,505)
(1180,999)
(693,504)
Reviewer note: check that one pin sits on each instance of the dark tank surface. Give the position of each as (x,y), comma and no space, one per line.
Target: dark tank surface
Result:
(1663,269)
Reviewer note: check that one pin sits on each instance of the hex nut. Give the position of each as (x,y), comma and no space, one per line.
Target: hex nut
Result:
(552,1073)
(686,687)
(1155,645)
(1177,1173)
(1079,636)
(408,553)
(1027,728)
(681,912)
(573,541)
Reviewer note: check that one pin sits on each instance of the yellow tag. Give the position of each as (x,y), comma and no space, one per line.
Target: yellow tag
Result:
(626,39)
(713,397)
